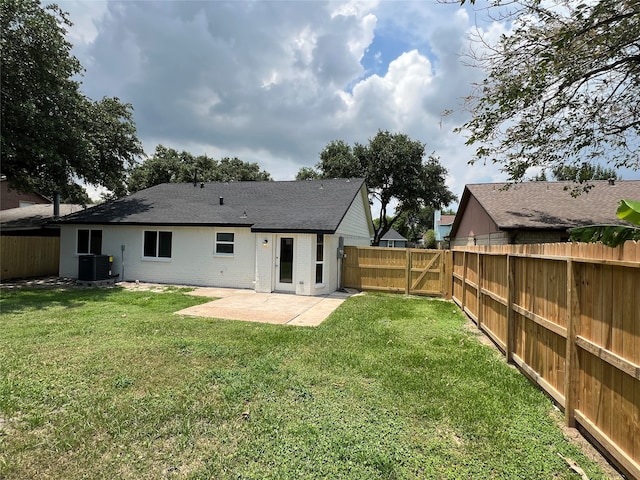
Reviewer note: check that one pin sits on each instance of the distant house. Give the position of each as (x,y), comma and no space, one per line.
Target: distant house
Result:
(534,212)
(442,225)
(393,239)
(34,220)
(10,198)
(266,236)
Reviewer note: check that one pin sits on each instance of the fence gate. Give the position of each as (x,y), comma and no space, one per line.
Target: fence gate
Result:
(425,272)
(399,270)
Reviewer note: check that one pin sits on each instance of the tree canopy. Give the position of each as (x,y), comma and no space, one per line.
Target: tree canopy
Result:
(579,174)
(52,134)
(414,224)
(167,165)
(563,87)
(398,176)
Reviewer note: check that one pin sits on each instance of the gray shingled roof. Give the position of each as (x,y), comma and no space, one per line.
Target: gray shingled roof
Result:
(549,205)
(302,206)
(33,217)
(393,235)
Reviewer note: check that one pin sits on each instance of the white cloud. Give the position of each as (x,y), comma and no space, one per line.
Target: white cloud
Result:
(274,82)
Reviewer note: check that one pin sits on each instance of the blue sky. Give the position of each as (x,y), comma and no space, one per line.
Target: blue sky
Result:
(273,82)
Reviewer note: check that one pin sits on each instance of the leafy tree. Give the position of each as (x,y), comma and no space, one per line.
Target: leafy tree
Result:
(71,193)
(562,88)
(307,173)
(235,170)
(584,173)
(398,176)
(51,133)
(430,239)
(164,166)
(413,224)
(338,160)
(579,174)
(169,166)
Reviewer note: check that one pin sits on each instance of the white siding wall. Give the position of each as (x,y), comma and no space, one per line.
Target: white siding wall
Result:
(68,259)
(265,262)
(304,263)
(356,226)
(193,260)
(304,269)
(330,283)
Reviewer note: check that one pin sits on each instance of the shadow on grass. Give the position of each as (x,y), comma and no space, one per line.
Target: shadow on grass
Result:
(14,301)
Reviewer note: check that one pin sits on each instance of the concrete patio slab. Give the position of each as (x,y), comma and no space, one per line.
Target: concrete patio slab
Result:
(274,308)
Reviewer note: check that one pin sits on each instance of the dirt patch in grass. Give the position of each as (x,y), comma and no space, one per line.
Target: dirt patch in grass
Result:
(575,437)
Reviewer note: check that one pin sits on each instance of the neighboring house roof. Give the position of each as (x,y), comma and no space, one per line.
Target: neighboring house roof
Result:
(33,217)
(548,205)
(292,206)
(393,235)
(446,219)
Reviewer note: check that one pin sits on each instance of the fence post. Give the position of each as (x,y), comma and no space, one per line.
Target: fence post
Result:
(479,296)
(447,274)
(511,293)
(463,300)
(408,273)
(571,367)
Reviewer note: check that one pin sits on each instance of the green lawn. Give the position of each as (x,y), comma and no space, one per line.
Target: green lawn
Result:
(108,383)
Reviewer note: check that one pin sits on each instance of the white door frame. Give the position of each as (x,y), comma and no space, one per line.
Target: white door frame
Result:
(280,285)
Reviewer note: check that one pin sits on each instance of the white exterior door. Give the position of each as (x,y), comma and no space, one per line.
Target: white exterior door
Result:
(285,264)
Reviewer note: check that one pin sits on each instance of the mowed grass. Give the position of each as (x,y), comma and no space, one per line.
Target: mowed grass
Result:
(108,383)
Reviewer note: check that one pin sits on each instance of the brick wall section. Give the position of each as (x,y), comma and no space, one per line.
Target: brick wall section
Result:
(10,198)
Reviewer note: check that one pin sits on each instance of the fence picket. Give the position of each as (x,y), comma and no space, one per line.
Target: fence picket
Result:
(24,256)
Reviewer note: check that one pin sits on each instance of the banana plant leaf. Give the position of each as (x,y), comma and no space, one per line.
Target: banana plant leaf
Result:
(629,210)
(612,235)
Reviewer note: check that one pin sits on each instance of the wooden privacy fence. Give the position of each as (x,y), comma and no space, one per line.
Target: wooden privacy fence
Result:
(400,270)
(569,316)
(22,257)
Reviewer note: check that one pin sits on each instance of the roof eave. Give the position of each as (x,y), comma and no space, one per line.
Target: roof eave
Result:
(163,224)
(294,230)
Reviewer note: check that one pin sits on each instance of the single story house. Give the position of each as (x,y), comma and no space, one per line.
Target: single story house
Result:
(266,236)
(535,212)
(393,239)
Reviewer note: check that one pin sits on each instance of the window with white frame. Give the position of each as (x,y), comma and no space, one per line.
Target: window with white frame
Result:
(157,244)
(224,243)
(319,258)
(89,241)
